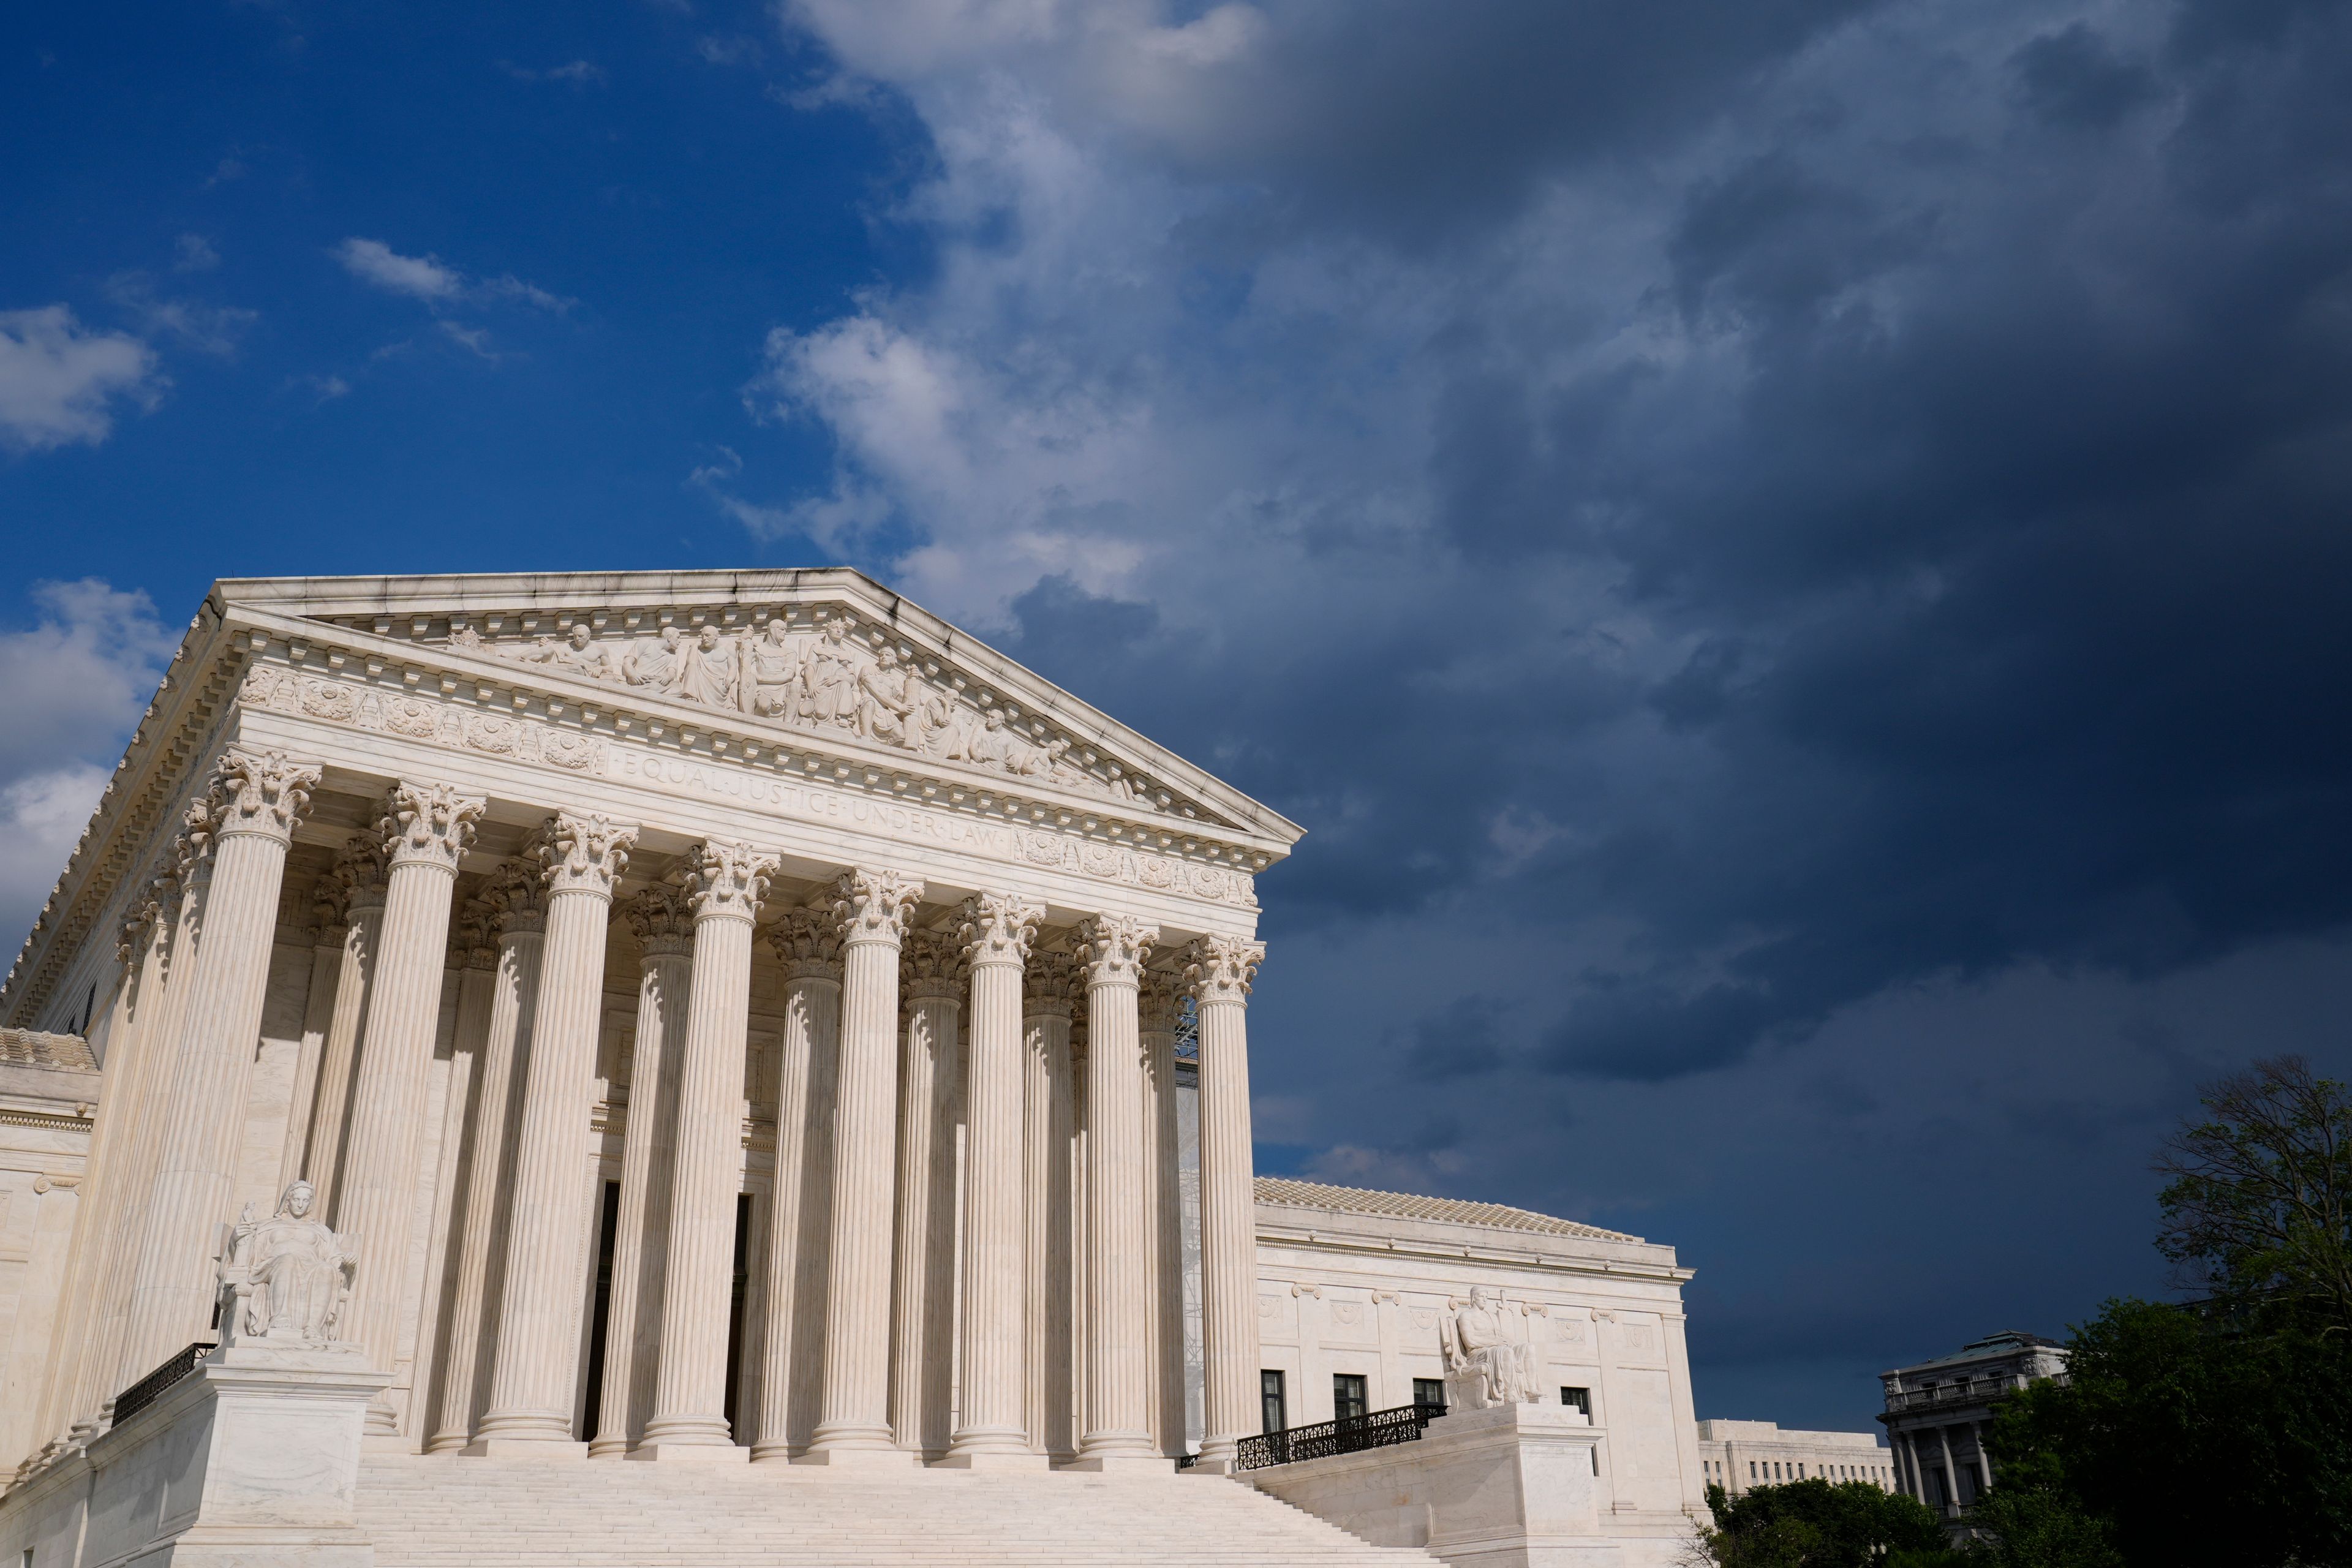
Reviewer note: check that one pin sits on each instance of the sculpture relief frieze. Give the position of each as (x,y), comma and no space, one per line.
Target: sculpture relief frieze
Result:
(532,740)
(835,675)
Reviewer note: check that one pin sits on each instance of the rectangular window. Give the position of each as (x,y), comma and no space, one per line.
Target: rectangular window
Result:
(1273,1410)
(1751,1469)
(1577,1399)
(1347,1396)
(1429,1391)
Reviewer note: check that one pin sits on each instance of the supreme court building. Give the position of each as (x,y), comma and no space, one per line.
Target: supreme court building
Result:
(734,1019)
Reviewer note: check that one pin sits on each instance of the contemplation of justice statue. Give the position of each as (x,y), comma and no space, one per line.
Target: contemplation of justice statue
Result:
(284,1280)
(1483,1364)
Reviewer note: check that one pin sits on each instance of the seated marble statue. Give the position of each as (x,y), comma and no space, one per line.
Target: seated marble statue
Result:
(1483,1364)
(285,1277)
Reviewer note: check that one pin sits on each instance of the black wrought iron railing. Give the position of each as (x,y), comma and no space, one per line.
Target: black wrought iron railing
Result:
(150,1388)
(1348,1434)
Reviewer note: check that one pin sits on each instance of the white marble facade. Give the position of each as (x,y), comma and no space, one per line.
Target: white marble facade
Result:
(730,1015)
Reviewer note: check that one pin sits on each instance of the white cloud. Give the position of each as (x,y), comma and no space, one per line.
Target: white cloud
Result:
(418,277)
(41,818)
(58,382)
(579,73)
(208,329)
(194,253)
(438,285)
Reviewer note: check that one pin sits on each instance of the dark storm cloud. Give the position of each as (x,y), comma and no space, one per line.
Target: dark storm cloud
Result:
(2003,511)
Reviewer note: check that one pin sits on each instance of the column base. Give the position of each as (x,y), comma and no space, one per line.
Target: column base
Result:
(992,1459)
(691,1453)
(1120,1465)
(862,1458)
(523,1449)
(1204,1466)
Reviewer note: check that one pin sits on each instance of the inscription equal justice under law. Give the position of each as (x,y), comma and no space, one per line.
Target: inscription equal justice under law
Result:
(1003,841)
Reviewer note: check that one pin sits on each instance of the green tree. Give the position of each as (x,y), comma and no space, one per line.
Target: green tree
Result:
(2257,1205)
(1818,1524)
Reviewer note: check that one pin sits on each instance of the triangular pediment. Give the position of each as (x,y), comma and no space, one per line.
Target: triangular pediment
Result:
(826,660)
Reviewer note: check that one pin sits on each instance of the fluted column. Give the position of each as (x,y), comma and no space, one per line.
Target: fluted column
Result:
(329,930)
(800,1208)
(992,1426)
(531,1388)
(256,797)
(665,931)
(426,828)
(517,896)
(1117,1429)
(873,906)
(932,967)
(75,1341)
(1163,1214)
(725,882)
(104,1375)
(1046,1404)
(1218,971)
(359,875)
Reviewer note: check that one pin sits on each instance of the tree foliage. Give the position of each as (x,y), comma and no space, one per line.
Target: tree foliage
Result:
(2258,1202)
(1819,1524)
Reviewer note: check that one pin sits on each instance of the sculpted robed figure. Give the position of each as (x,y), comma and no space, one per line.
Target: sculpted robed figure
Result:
(285,1277)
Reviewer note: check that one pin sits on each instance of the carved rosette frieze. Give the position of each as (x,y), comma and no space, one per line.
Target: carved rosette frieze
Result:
(1220,968)
(808,942)
(931,964)
(661,920)
(260,792)
(517,896)
(1113,948)
(429,824)
(1048,984)
(583,852)
(874,904)
(726,879)
(473,934)
(999,928)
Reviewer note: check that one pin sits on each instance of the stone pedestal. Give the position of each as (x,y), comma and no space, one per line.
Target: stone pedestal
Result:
(252,1459)
(1508,1487)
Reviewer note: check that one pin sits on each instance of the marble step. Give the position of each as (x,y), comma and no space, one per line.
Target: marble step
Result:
(442,1511)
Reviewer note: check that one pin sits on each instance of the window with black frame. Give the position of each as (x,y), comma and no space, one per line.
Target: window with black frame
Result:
(1348,1398)
(1273,1410)
(1578,1399)
(1428,1393)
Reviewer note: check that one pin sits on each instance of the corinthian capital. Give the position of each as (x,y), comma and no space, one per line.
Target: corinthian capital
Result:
(191,847)
(726,879)
(260,792)
(429,824)
(808,941)
(1157,1003)
(583,853)
(1047,986)
(661,920)
(358,875)
(517,895)
(998,927)
(1114,947)
(473,941)
(874,905)
(1220,968)
(931,964)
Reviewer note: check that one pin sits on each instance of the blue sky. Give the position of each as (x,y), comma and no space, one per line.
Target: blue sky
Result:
(1790,555)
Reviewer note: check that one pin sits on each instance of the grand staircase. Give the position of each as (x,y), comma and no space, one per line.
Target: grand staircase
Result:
(442,1511)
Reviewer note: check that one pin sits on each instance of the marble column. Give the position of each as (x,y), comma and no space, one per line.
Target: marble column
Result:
(725,883)
(992,1426)
(664,928)
(808,944)
(256,797)
(106,1375)
(130,1057)
(932,966)
(1046,1108)
(531,1380)
(426,828)
(873,906)
(1163,1215)
(1951,1471)
(1120,1200)
(359,875)
(517,900)
(1218,971)
(328,931)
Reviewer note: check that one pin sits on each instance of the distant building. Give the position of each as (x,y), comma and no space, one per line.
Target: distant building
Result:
(1742,1455)
(1937,1412)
